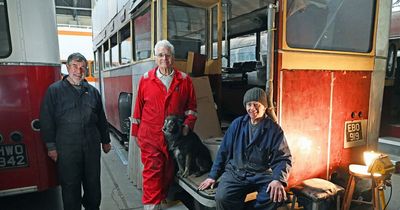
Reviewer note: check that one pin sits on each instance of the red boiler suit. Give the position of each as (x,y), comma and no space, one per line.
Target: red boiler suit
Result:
(153,104)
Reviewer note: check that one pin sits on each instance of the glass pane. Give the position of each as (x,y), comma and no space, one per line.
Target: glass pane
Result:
(186,28)
(142,25)
(214,31)
(243,49)
(114,51)
(263,47)
(88,68)
(106,59)
(5,41)
(96,62)
(126,45)
(225,55)
(343,25)
(107,63)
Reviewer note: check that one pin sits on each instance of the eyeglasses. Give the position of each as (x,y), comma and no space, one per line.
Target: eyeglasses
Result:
(161,55)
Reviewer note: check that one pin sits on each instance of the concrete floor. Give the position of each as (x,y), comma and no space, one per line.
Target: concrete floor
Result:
(118,192)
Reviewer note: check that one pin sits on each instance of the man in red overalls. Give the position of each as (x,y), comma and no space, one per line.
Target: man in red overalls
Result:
(162,91)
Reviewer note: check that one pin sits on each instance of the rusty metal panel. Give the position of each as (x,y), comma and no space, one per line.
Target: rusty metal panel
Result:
(315,107)
(350,102)
(305,103)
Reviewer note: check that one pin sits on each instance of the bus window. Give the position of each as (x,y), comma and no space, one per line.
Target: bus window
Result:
(89,70)
(114,51)
(99,60)
(214,30)
(142,25)
(331,25)
(126,45)
(5,41)
(263,47)
(243,48)
(96,63)
(186,28)
(107,62)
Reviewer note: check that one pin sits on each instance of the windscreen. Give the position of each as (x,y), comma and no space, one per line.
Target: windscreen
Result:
(341,25)
(5,41)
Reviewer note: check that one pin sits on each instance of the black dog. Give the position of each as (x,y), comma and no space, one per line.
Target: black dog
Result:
(191,155)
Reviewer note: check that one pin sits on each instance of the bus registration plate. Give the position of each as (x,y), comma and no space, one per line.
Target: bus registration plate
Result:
(355,132)
(12,156)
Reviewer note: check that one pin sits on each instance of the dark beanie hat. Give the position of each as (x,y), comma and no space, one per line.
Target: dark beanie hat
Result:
(255,94)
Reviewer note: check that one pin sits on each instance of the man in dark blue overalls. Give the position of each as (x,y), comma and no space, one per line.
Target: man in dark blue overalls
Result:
(253,156)
(73,125)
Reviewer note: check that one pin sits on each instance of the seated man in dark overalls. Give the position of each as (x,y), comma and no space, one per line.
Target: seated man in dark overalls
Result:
(253,156)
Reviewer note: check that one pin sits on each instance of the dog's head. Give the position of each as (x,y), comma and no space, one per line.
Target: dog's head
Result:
(172,127)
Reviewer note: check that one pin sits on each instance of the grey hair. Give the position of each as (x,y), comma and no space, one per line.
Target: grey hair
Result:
(76,57)
(166,44)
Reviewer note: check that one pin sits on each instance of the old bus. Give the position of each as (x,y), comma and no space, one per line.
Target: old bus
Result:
(29,63)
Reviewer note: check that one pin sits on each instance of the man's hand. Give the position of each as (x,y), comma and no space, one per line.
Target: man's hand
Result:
(53,155)
(185,130)
(276,191)
(106,147)
(206,183)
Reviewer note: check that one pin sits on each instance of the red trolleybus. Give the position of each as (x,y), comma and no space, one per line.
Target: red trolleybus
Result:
(29,63)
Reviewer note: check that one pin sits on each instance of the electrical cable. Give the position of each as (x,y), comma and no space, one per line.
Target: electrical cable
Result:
(390,196)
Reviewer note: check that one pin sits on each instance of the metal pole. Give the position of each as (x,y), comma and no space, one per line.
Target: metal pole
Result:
(270,61)
(159,21)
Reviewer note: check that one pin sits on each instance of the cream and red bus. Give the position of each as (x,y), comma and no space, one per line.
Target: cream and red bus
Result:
(29,63)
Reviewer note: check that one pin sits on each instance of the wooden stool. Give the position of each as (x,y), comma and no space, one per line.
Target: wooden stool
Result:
(317,190)
(361,171)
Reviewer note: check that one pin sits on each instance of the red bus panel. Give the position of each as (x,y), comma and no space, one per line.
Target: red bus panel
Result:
(22,89)
(306,128)
(113,86)
(314,108)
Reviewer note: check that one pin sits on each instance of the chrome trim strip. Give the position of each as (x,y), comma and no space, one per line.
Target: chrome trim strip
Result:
(16,191)
(28,64)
